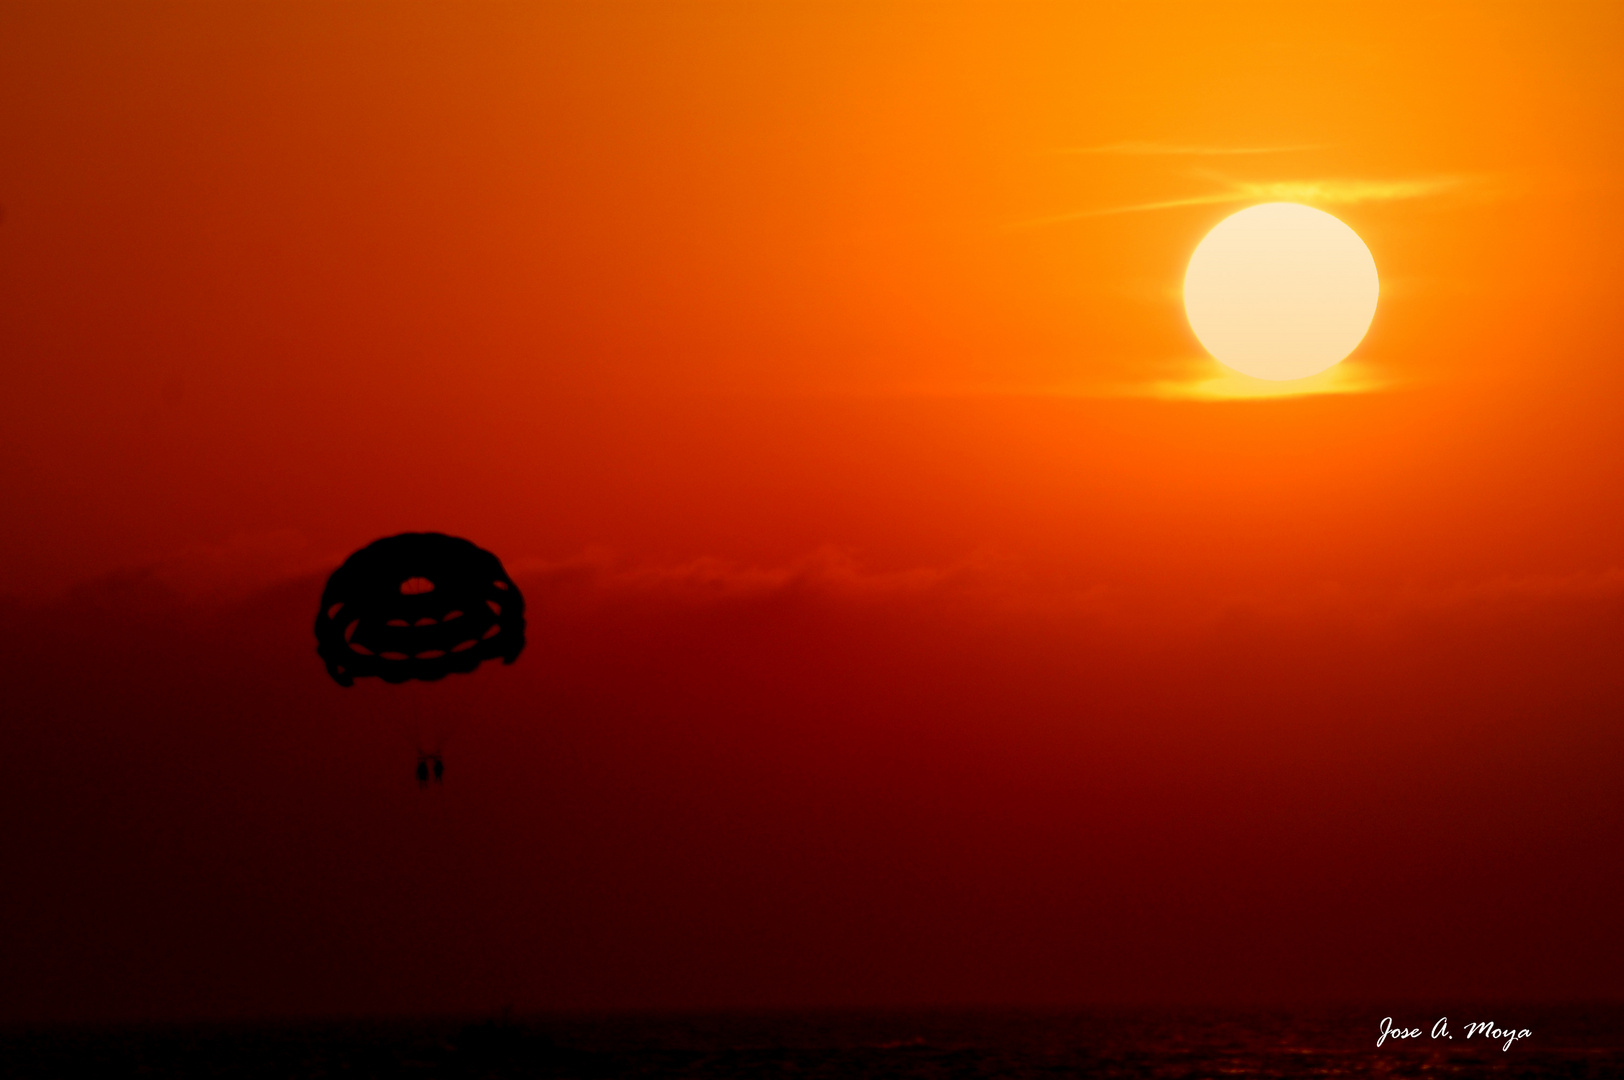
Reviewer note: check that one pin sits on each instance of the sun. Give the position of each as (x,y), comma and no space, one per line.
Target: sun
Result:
(1280,291)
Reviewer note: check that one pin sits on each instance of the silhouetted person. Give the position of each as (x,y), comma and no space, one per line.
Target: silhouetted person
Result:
(418,607)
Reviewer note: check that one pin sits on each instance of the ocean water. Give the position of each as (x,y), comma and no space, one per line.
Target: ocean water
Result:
(1569,1041)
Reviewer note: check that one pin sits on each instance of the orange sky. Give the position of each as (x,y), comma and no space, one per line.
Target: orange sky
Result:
(723,282)
(719,293)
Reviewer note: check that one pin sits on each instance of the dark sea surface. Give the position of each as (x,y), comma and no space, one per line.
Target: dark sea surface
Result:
(1566,1041)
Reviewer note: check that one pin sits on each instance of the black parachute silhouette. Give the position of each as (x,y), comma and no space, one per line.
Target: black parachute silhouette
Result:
(418,606)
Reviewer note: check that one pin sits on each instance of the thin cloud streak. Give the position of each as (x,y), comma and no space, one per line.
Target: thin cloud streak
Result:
(1144,149)
(1207,380)
(1202,379)
(1322,192)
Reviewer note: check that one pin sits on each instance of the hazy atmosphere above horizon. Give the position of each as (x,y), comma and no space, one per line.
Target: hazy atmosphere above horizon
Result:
(1013,504)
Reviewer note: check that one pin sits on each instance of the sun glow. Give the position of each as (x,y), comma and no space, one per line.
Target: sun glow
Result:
(1280,291)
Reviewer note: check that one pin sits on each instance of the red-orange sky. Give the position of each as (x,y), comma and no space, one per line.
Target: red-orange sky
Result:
(917,616)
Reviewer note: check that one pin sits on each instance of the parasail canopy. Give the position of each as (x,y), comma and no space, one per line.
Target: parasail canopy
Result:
(418,606)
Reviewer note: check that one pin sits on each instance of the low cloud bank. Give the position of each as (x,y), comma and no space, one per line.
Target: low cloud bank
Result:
(713,784)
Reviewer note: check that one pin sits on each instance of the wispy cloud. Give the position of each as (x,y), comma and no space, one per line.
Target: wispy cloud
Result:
(1324,192)
(1209,381)
(1145,149)
(822,573)
(1188,378)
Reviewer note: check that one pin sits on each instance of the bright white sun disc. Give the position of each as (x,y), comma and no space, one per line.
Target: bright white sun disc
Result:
(1280,291)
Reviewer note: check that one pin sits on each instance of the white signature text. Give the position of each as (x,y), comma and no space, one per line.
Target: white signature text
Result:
(1440,1030)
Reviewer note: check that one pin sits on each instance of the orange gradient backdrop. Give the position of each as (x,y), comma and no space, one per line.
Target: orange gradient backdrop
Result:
(889,288)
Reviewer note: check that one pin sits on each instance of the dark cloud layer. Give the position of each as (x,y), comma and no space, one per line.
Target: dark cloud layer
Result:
(708,785)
